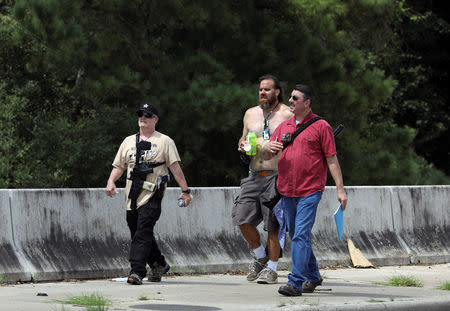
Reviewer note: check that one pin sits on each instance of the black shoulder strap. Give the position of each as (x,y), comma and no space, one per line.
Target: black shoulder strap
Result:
(299,130)
(138,152)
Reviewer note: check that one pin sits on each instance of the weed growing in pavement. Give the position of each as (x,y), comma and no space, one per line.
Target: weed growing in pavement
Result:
(92,302)
(35,277)
(311,301)
(445,285)
(403,281)
(4,279)
(150,298)
(375,300)
(284,303)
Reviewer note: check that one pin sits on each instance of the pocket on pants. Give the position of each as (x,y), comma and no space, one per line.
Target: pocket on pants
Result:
(236,199)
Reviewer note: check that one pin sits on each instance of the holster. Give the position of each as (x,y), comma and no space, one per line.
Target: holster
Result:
(161,186)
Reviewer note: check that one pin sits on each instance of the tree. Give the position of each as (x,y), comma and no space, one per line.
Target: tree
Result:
(88,64)
(423,67)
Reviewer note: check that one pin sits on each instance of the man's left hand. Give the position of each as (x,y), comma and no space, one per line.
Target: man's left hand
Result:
(342,197)
(186,197)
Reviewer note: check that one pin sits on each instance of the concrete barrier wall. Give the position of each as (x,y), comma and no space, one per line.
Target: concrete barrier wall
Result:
(11,266)
(390,225)
(55,234)
(66,233)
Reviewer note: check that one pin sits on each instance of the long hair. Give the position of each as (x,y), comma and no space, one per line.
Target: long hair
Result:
(277,85)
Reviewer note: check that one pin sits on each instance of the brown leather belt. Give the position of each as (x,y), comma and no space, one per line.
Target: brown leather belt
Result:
(262,173)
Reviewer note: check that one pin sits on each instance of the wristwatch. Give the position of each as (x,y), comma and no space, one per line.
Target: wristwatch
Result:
(186,191)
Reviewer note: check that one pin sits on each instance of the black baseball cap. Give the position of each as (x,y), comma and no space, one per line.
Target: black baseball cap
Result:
(148,108)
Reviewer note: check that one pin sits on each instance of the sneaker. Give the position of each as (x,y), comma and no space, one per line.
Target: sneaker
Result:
(268,276)
(134,279)
(157,271)
(289,290)
(255,268)
(309,287)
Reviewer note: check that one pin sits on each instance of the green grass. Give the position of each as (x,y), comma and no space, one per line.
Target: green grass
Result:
(284,303)
(403,281)
(375,300)
(4,278)
(92,302)
(35,277)
(311,301)
(445,285)
(143,298)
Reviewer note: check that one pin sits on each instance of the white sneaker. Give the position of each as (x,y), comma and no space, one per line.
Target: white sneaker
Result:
(268,276)
(255,268)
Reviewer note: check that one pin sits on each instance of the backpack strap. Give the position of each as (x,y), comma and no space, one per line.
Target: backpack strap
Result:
(289,141)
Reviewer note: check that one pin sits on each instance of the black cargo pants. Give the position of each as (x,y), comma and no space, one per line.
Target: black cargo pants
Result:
(144,248)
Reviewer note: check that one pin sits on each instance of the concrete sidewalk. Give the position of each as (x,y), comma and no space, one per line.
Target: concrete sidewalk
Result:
(342,289)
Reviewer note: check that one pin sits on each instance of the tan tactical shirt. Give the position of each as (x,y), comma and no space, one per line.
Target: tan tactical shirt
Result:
(163,150)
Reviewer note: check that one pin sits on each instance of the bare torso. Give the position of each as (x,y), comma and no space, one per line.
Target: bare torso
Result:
(254,122)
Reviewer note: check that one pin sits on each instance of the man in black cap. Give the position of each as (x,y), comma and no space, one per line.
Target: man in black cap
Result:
(147,157)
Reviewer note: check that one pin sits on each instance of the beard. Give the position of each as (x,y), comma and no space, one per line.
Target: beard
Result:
(267,102)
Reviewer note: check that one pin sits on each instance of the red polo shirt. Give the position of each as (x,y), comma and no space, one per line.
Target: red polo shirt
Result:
(302,169)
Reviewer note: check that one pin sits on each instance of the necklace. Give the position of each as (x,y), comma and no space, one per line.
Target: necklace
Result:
(266,132)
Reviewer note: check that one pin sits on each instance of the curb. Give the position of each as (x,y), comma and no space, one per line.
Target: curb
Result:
(429,304)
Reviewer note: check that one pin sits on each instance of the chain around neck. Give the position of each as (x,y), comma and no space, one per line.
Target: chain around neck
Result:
(270,112)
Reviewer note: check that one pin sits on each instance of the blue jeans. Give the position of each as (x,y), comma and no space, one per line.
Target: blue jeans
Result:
(300,214)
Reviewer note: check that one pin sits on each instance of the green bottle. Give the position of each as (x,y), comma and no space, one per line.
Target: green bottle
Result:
(251,140)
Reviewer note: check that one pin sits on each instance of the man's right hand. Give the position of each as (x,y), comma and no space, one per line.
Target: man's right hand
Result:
(241,144)
(271,149)
(111,189)
(274,147)
(111,183)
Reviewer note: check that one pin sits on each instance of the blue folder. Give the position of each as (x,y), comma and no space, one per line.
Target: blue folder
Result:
(339,220)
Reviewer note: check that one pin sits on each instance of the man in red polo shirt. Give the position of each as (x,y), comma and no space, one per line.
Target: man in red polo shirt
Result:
(302,174)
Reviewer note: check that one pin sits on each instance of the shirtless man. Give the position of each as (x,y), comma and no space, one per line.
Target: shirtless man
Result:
(248,212)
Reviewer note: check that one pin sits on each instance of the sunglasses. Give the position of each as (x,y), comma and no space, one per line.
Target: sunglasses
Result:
(297,98)
(140,113)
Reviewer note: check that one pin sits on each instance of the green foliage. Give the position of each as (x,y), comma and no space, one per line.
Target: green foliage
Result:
(92,302)
(73,73)
(445,286)
(421,67)
(403,281)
